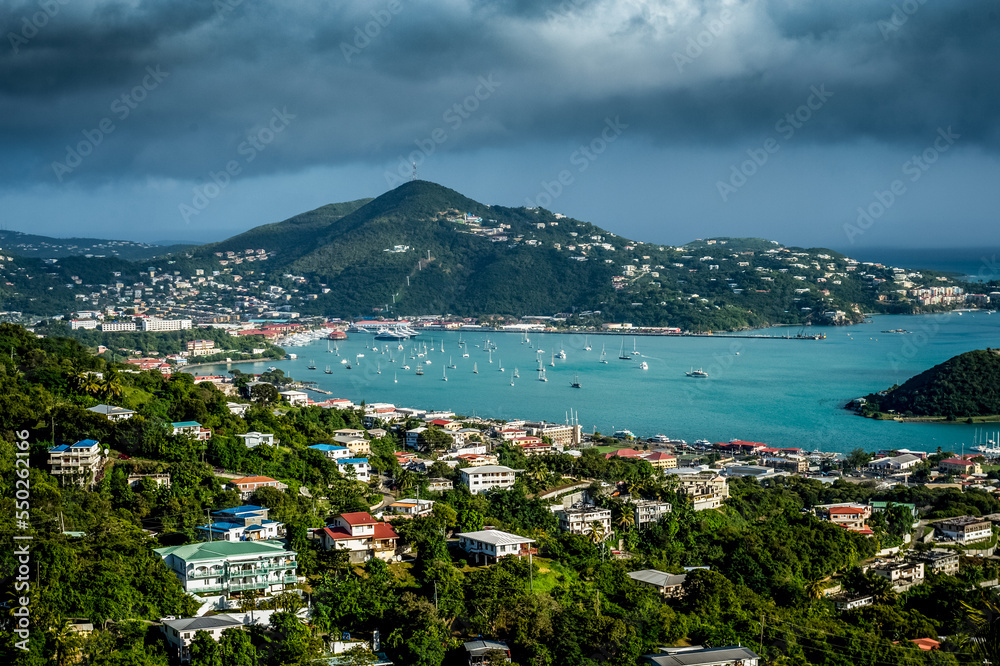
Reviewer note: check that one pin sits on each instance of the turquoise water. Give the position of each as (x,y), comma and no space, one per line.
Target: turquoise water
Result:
(781,392)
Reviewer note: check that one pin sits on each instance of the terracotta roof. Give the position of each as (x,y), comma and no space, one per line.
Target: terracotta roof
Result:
(850,510)
(659,455)
(926,643)
(382,531)
(357,518)
(252,479)
(623,453)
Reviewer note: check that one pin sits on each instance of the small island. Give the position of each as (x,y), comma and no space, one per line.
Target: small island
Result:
(963,388)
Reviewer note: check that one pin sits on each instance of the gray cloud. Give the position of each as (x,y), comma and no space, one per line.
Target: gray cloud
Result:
(563,66)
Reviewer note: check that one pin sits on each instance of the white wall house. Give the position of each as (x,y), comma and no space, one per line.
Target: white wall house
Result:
(362,536)
(222,568)
(487,477)
(255,439)
(79,462)
(490,545)
(358,466)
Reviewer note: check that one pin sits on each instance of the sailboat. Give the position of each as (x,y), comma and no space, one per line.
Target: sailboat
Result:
(328,370)
(378,368)
(576,382)
(586,343)
(444,374)
(328,350)
(515,372)
(552,363)
(395,379)
(621,353)
(336,349)
(312,365)
(635,352)
(475,368)
(512,379)
(500,363)
(450,364)
(420,368)
(603,355)
(442,345)
(491,356)
(541,375)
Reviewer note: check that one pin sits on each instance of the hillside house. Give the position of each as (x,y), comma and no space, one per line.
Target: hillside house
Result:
(362,536)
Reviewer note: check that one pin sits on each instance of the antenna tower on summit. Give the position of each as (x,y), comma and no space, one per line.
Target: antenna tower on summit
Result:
(414,176)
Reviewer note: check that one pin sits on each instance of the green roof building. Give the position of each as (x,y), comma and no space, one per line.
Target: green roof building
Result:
(222,568)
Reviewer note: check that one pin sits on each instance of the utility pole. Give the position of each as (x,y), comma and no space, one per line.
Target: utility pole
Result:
(760,648)
(531,573)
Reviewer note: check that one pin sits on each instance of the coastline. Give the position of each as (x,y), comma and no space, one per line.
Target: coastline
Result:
(192,366)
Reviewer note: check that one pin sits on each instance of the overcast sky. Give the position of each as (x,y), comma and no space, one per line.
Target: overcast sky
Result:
(664,120)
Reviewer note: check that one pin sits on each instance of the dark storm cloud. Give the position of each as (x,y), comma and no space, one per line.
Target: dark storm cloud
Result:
(562,68)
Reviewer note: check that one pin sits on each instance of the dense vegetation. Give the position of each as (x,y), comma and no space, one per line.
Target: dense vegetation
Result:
(767,560)
(963,386)
(121,344)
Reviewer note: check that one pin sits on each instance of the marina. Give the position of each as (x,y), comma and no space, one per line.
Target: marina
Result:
(784,395)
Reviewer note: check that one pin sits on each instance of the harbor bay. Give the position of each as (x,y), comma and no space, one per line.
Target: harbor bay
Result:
(780,392)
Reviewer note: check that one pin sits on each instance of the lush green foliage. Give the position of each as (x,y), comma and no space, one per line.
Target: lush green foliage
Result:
(965,385)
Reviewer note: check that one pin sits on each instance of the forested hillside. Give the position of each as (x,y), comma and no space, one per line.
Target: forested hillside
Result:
(963,386)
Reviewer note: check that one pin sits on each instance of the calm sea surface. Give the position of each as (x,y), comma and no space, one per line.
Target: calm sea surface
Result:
(782,392)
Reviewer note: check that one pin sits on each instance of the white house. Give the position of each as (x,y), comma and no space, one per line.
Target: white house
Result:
(222,568)
(580,519)
(409,508)
(191,429)
(255,439)
(964,529)
(669,585)
(295,398)
(180,633)
(490,545)
(358,466)
(487,477)
(242,523)
(648,512)
(237,408)
(413,437)
(78,462)
(112,413)
(894,464)
(696,655)
(362,536)
(332,451)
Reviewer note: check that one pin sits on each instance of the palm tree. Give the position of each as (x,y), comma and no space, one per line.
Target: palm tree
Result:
(66,642)
(597,532)
(109,388)
(626,518)
(985,621)
(815,589)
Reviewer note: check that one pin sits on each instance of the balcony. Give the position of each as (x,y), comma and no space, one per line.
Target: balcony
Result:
(205,574)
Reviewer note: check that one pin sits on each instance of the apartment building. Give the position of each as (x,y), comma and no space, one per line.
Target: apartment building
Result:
(581,519)
(487,477)
(79,463)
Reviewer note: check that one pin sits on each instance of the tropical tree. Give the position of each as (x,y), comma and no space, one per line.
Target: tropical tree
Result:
(66,642)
